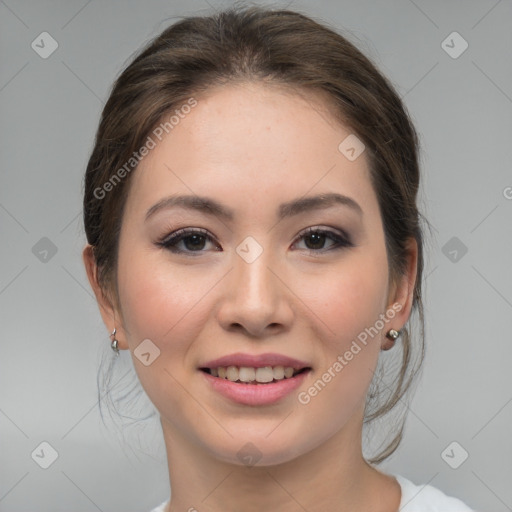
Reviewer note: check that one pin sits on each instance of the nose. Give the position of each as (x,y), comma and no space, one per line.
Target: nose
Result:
(255,299)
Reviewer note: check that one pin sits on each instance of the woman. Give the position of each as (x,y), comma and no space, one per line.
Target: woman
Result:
(254,241)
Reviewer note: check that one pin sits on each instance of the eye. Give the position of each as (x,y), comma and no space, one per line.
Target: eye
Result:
(315,239)
(190,241)
(187,241)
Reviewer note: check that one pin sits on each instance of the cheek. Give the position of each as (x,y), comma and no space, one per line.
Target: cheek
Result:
(348,298)
(165,307)
(349,303)
(159,303)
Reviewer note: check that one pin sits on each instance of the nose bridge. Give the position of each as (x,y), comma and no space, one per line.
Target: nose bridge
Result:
(255,298)
(255,285)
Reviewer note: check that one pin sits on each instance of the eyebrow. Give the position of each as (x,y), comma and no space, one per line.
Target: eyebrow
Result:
(297,206)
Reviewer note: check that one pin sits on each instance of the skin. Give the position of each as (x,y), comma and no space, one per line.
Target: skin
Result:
(252,147)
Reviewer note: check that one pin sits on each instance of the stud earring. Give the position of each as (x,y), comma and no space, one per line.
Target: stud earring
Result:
(392,336)
(115,342)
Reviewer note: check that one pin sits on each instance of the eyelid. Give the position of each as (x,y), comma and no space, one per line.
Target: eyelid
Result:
(181,234)
(339,236)
(324,229)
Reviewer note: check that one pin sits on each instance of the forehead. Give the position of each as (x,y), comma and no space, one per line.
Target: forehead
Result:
(251,139)
(251,120)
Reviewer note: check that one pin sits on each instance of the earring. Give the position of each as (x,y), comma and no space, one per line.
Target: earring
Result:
(392,335)
(115,343)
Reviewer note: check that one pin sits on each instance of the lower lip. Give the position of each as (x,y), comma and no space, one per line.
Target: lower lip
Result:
(255,394)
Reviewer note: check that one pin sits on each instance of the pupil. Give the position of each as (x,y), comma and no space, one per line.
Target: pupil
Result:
(319,238)
(197,242)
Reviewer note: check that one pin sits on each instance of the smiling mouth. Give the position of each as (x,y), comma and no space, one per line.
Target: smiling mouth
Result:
(248,375)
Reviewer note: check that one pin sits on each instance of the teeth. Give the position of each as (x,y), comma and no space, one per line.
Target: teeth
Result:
(247,374)
(265,374)
(288,372)
(232,373)
(278,372)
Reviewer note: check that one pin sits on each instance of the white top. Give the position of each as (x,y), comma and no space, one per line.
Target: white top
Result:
(415,498)
(425,498)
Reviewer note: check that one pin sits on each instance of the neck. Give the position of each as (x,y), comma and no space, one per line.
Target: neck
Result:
(332,477)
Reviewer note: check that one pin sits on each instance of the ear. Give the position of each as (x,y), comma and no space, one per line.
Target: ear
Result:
(109,313)
(402,292)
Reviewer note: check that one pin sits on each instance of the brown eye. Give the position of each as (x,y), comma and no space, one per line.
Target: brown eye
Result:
(194,242)
(316,238)
(187,241)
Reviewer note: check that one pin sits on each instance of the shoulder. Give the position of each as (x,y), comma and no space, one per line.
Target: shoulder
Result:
(160,508)
(425,498)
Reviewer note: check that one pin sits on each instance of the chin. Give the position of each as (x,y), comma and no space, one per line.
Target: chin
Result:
(259,449)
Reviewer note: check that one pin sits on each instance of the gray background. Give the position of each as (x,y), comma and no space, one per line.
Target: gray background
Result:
(52,334)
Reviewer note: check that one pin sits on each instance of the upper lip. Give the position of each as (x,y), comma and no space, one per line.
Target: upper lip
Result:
(255,361)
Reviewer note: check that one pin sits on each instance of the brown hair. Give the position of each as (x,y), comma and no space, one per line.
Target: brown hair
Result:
(291,50)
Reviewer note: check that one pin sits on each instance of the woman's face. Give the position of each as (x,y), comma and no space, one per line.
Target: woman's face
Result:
(250,279)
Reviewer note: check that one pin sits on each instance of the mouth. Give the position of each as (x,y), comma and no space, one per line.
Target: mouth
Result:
(255,375)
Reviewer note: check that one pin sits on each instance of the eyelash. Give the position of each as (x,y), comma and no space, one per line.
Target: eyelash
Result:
(171,241)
